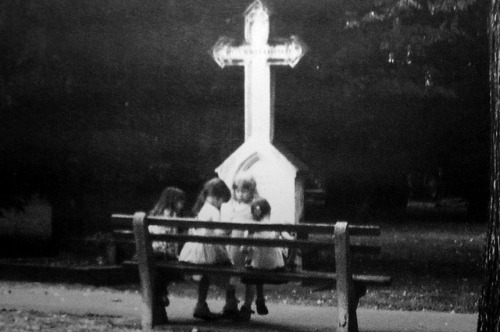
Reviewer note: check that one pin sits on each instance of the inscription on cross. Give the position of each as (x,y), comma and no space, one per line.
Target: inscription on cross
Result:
(256,55)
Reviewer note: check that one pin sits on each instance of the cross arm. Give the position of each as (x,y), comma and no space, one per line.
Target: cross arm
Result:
(287,52)
(226,54)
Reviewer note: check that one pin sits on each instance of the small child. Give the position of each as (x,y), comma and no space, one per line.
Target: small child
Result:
(170,204)
(265,258)
(238,210)
(207,208)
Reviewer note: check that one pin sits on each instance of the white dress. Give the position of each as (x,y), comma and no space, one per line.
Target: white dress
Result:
(167,249)
(204,253)
(266,258)
(236,212)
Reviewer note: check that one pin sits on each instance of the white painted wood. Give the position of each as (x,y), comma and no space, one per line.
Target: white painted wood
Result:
(275,175)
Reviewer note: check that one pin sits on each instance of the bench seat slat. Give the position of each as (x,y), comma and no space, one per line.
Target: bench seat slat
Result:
(307,276)
(242,241)
(122,237)
(320,244)
(121,220)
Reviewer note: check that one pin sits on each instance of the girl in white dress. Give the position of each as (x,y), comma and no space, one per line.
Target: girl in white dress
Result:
(238,210)
(170,204)
(265,258)
(207,208)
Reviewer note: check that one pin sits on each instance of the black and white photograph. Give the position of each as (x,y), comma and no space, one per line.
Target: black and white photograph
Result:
(250,165)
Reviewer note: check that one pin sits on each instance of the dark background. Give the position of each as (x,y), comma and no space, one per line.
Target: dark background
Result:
(103,103)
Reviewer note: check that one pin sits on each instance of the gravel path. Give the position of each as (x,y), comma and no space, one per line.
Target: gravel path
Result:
(101,309)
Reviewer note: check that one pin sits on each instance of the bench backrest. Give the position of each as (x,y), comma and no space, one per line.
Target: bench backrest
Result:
(327,231)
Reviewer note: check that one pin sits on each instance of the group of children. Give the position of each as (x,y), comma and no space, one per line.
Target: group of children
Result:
(216,203)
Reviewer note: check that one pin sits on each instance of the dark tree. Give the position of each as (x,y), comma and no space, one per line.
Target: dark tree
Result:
(489,306)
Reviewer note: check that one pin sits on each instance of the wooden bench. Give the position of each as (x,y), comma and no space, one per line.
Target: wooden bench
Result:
(350,287)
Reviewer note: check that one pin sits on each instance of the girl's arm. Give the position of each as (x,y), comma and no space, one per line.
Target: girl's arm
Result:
(206,214)
(287,236)
(225,215)
(245,249)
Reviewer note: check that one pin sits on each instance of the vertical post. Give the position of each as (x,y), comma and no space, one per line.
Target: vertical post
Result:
(258,99)
(272,103)
(346,303)
(153,312)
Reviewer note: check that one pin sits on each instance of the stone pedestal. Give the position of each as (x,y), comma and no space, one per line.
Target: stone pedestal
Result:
(279,177)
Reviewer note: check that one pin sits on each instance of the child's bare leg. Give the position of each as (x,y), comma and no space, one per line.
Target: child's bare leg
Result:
(260,291)
(201,309)
(249,295)
(230,293)
(230,309)
(162,288)
(261,301)
(246,308)
(203,287)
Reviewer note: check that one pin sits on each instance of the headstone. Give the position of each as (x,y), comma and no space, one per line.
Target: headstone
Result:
(278,174)
(33,221)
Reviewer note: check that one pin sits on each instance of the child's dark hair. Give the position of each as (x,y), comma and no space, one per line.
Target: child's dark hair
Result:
(214,187)
(168,200)
(260,208)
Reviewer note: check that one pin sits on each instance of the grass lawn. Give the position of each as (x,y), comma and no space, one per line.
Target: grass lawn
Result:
(435,266)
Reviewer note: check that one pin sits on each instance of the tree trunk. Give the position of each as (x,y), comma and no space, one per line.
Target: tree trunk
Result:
(489,305)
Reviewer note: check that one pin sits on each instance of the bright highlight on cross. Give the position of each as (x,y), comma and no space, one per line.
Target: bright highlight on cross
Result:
(257,56)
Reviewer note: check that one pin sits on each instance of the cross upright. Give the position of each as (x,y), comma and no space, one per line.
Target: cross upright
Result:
(256,55)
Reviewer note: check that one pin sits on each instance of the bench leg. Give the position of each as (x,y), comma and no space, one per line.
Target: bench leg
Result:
(153,310)
(347,300)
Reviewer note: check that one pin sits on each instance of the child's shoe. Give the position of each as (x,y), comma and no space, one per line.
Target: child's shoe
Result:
(230,310)
(164,297)
(261,307)
(201,311)
(245,313)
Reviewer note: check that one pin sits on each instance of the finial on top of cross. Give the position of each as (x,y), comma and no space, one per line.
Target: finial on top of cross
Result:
(257,24)
(286,52)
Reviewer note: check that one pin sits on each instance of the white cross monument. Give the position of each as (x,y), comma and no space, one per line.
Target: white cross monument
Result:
(257,56)
(278,175)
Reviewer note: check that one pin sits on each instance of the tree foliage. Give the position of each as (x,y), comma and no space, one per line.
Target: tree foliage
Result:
(386,86)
